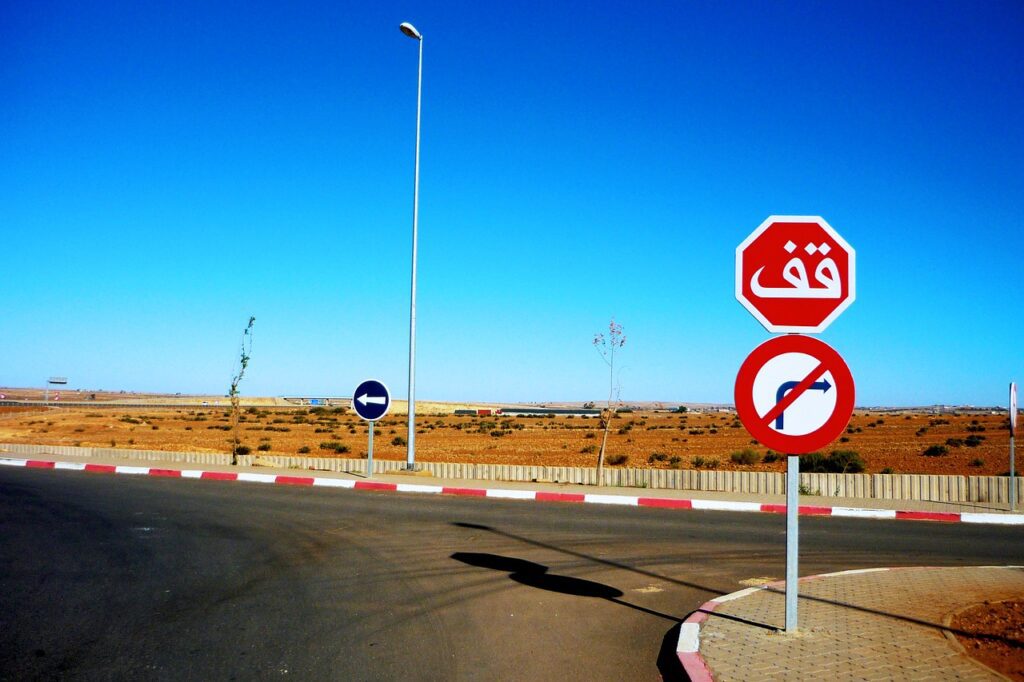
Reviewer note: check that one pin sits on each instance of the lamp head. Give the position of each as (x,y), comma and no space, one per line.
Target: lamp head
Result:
(410,30)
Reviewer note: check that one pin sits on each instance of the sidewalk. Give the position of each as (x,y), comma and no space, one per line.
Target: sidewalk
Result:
(876,624)
(412,482)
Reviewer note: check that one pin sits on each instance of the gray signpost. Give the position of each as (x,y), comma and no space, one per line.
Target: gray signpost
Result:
(1013,428)
(371,401)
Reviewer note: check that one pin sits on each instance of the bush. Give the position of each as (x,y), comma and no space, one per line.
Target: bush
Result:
(304,450)
(888,470)
(617,460)
(264,447)
(936,451)
(698,462)
(497,434)
(745,456)
(334,445)
(657,457)
(973,441)
(977,462)
(398,440)
(837,462)
(846,462)
(242,449)
(674,460)
(814,462)
(771,456)
(588,449)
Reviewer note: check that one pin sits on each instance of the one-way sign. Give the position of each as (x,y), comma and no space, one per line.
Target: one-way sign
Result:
(371,400)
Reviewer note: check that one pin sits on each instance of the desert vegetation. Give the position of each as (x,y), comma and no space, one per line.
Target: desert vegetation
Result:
(969,444)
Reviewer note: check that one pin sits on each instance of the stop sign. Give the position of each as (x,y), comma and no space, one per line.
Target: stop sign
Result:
(795,274)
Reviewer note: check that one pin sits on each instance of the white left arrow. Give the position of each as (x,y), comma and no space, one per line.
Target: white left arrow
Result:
(375,400)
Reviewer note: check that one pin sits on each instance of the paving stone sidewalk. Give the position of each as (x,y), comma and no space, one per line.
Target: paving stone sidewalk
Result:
(879,624)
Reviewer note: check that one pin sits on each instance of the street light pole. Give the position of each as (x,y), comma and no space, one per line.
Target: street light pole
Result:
(410,457)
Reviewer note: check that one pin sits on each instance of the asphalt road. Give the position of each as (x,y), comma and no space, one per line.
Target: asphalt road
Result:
(117,577)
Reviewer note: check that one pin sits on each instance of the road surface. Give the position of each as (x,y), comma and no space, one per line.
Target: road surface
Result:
(121,577)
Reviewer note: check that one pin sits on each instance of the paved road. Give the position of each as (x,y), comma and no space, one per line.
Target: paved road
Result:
(120,577)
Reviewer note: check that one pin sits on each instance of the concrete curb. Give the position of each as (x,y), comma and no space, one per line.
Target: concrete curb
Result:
(534,495)
(688,644)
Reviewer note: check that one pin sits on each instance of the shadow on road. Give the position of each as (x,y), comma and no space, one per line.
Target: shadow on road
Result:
(536,575)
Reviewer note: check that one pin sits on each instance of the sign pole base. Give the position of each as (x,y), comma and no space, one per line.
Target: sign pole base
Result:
(792,540)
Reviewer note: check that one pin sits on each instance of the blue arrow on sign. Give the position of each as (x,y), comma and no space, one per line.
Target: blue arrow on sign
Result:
(371,400)
(785,388)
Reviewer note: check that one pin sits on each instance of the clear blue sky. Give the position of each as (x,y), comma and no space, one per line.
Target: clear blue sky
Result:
(168,169)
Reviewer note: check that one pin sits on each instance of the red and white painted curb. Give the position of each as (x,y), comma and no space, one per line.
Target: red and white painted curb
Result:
(536,495)
(688,645)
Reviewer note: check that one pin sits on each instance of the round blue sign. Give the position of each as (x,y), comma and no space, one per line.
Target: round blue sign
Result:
(371,400)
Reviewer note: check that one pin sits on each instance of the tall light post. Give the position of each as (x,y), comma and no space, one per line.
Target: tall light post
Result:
(410,457)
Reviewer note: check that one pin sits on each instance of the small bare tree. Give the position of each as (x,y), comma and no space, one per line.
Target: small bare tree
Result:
(606,347)
(236,412)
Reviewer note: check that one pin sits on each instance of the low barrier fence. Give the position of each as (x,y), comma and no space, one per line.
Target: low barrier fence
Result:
(925,487)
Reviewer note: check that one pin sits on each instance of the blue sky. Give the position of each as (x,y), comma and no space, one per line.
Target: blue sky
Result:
(167,170)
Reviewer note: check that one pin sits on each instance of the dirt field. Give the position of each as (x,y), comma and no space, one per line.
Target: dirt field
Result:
(999,635)
(975,444)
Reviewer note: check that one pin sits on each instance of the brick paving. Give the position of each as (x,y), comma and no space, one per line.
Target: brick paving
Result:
(875,625)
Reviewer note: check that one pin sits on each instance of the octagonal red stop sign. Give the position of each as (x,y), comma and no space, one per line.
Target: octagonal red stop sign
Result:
(795,274)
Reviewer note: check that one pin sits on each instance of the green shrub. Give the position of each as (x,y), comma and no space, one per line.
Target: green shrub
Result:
(617,460)
(698,462)
(888,470)
(264,447)
(304,450)
(398,440)
(846,462)
(674,460)
(973,441)
(814,463)
(657,457)
(837,462)
(936,451)
(977,462)
(242,449)
(588,449)
(954,442)
(746,456)
(497,433)
(771,456)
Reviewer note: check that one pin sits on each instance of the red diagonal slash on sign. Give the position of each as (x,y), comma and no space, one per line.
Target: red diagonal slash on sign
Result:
(826,360)
(795,393)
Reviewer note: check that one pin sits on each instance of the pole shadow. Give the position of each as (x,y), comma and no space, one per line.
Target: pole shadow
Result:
(536,575)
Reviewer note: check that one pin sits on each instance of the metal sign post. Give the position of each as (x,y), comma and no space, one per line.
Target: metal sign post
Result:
(369,450)
(1013,457)
(371,401)
(792,539)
